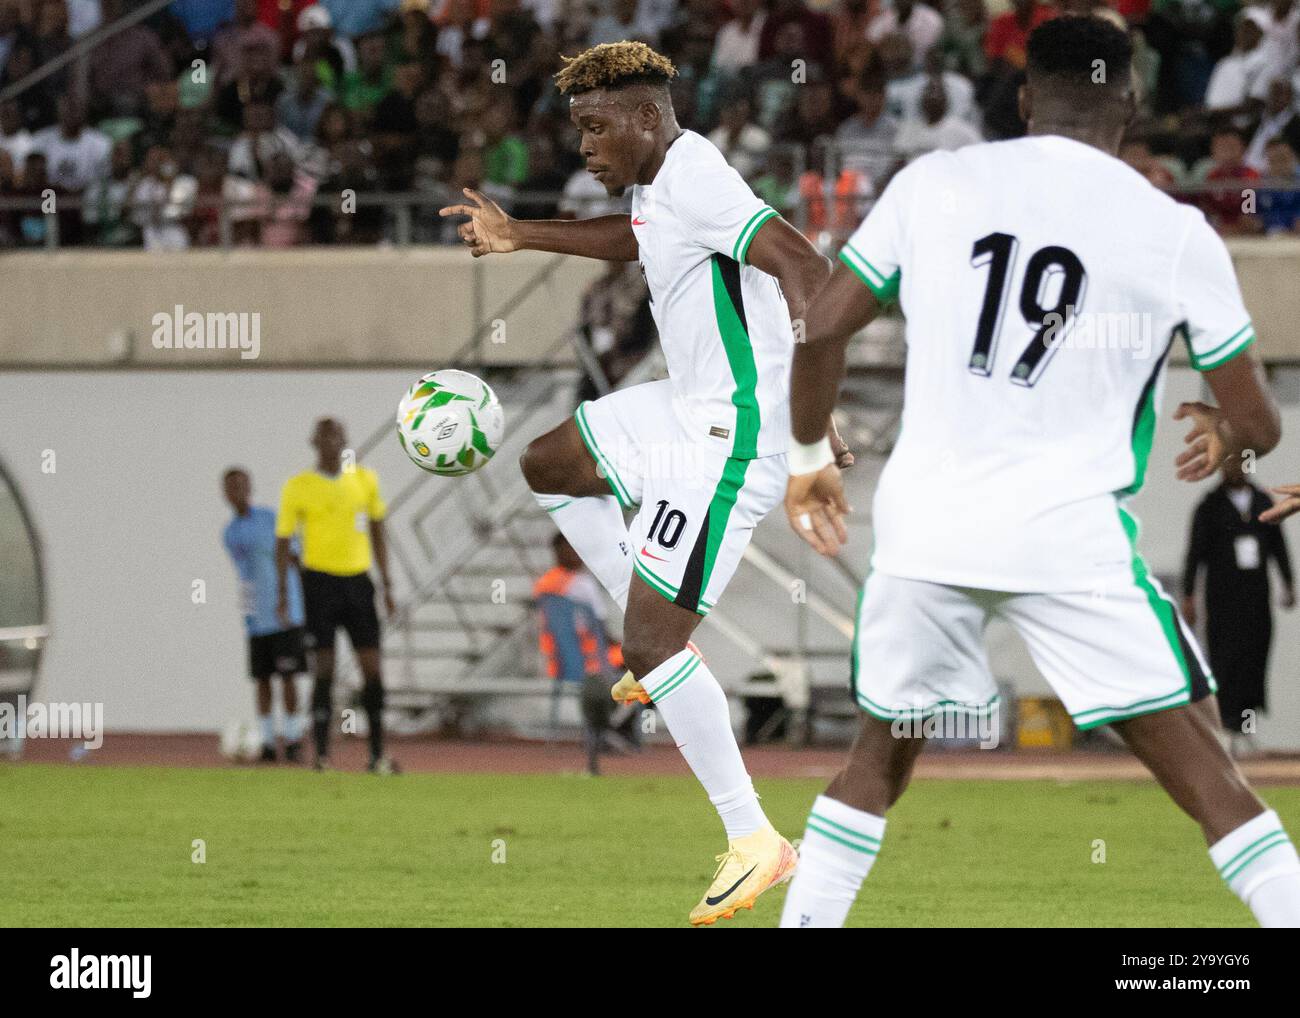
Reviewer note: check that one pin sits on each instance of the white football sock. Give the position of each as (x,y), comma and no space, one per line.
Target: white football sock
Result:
(293,727)
(595,527)
(1259,863)
(694,709)
(839,845)
(266,722)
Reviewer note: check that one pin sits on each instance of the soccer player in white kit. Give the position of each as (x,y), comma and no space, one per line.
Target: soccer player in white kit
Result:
(1027,423)
(700,456)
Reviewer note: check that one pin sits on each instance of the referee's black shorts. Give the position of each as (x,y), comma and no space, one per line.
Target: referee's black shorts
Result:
(331,601)
(277,654)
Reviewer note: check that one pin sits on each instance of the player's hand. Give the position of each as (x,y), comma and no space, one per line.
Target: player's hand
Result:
(1287,505)
(1208,443)
(489,230)
(282,612)
(816,507)
(1189,610)
(390,606)
(843,458)
(1288,598)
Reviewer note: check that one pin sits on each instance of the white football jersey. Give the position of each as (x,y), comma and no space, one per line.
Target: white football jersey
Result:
(724,325)
(1043,282)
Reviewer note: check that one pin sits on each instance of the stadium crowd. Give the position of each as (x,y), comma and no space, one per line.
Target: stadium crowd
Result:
(294,115)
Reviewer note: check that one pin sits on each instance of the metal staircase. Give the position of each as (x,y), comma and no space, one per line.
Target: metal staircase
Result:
(465,552)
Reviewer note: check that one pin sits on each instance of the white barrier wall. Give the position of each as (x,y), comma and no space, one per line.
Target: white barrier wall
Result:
(131,517)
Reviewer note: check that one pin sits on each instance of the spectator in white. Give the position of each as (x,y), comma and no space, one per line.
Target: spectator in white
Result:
(1234,76)
(317,41)
(84,16)
(1281,45)
(124,65)
(287,196)
(75,154)
(14,137)
(298,109)
(234,40)
(866,140)
(736,45)
(937,129)
(259,141)
(621,23)
(1279,120)
(105,205)
(458,23)
(903,94)
(157,204)
(921,24)
(742,143)
(544,12)
(585,197)
(658,16)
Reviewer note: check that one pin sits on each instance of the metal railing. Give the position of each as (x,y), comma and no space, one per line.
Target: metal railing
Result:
(412,217)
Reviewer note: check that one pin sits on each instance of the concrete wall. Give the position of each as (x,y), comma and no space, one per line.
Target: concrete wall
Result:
(318,306)
(377,307)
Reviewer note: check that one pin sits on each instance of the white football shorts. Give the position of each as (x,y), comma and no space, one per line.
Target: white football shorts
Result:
(696,507)
(1109,655)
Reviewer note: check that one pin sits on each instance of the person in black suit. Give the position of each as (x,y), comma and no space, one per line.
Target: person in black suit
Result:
(1232,544)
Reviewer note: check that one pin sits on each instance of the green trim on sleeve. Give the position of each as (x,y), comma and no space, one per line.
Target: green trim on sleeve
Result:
(885,288)
(1224,352)
(747,233)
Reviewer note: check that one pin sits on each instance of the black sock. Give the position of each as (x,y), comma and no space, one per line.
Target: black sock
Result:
(372,699)
(321,709)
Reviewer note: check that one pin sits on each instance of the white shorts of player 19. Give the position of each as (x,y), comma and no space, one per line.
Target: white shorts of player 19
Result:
(696,506)
(1109,654)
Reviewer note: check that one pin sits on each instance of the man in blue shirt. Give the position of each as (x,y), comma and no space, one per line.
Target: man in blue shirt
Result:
(357,17)
(1280,209)
(272,649)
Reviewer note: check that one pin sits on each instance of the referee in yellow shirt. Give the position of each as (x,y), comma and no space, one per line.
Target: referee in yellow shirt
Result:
(341,518)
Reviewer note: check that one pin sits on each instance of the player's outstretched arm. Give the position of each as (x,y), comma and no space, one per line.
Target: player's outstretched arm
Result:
(491,231)
(1246,419)
(814,498)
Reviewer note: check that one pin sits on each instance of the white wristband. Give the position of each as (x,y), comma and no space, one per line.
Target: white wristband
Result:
(808,459)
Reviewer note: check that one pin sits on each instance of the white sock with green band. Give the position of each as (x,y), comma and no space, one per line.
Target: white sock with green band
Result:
(595,527)
(694,709)
(839,845)
(1259,863)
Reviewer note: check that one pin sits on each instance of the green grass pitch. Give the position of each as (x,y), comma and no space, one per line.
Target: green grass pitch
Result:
(115,846)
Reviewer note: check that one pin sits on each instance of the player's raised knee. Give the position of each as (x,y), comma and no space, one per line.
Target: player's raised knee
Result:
(643,653)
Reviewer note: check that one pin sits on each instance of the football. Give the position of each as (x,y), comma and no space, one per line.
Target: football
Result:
(450,422)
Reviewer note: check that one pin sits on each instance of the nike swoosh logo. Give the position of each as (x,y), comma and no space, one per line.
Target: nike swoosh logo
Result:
(725,894)
(638,221)
(648,555)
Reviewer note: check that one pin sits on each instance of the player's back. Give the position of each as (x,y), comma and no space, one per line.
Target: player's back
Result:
(1043,282)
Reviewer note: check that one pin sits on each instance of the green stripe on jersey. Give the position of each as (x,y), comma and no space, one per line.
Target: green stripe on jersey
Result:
(740,358)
